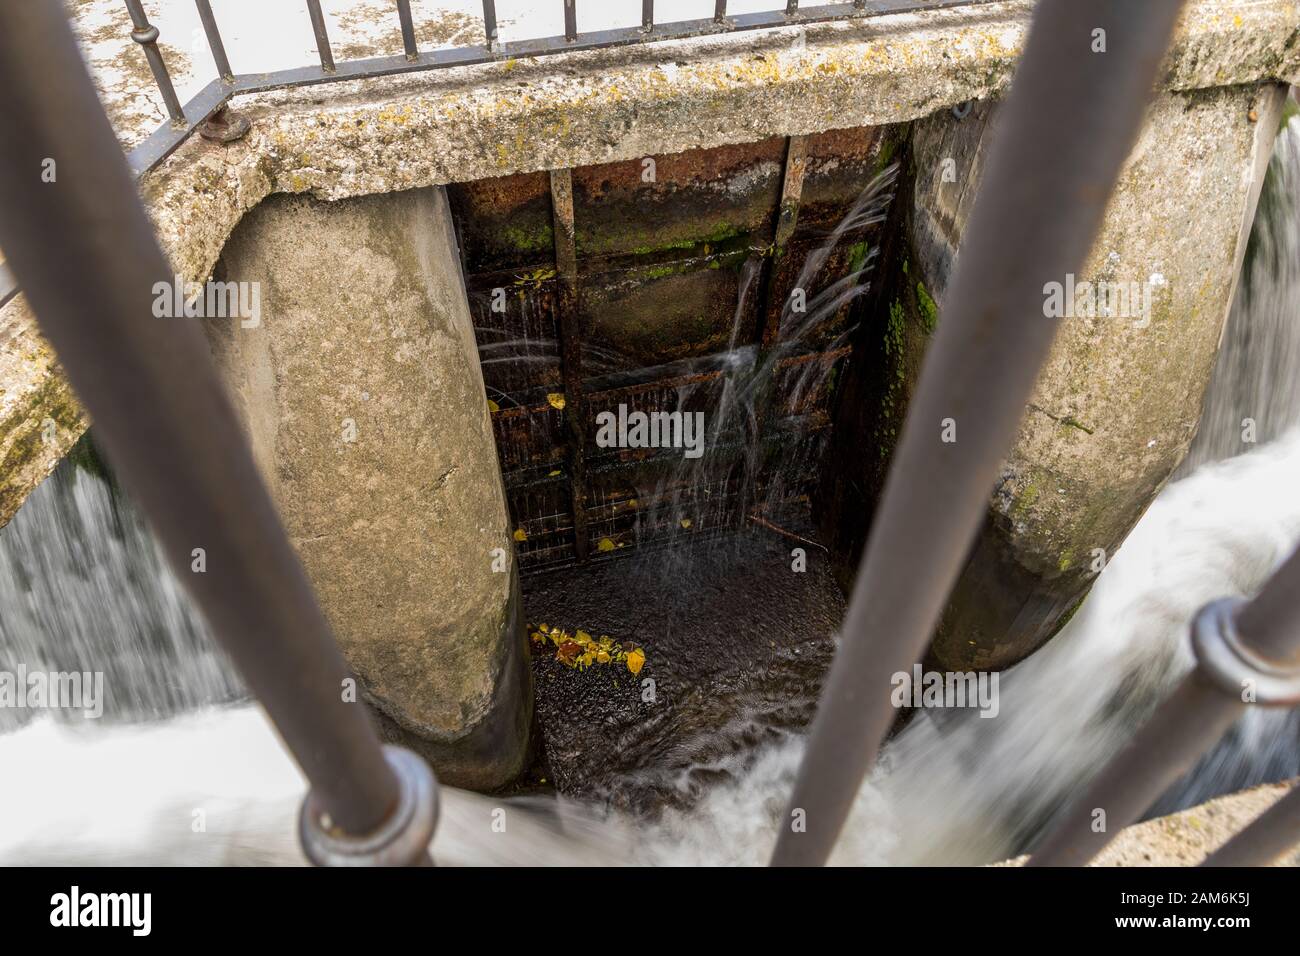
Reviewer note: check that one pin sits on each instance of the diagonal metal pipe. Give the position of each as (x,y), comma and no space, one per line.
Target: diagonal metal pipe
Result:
(1070,120)
(1245,652)
(82,247)
(1266,839)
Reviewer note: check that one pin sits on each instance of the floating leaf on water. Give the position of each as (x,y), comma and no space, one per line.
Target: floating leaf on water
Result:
(520,534)
(604,544)
(555,399)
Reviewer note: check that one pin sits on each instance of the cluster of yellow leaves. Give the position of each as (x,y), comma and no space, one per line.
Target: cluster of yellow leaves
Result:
(580,650)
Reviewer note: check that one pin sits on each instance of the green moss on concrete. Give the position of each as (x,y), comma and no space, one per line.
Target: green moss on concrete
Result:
(928,310)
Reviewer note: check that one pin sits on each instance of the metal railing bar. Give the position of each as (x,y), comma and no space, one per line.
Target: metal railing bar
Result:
(408,29)
(791,7)
(490,23)
(1275,831)
(1196,715)
(1270,622)
(570,20)
(719,11)
(165,140)
(214,40)
(1165,748)
(146,34)
(8,285)
(936,493)
(322,37)
(647,15)
(91,268)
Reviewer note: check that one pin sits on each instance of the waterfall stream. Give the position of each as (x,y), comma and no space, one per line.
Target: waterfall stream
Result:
(183,770)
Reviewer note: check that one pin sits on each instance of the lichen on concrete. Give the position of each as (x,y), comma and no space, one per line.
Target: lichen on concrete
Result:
(467,123)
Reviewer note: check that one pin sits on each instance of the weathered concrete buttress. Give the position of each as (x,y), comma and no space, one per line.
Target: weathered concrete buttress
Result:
(365,407)
(1119,400)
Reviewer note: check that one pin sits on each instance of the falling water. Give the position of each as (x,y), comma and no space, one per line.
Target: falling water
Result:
(83,588)
(77,567)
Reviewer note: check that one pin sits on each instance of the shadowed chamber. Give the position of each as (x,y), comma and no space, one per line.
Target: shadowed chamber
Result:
(732,286)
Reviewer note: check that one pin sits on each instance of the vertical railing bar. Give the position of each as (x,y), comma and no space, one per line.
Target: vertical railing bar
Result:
(720,10)
(322,37)
(146,35)
(214,40)
(408,29)
(937,491)
(647,15)
(791,7)
(490,23)
(172,436)
(570,20)
(1274,832)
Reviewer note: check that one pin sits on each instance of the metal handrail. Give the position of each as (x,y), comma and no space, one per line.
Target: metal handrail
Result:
(213,98)
(1062,138)
(86,254)
(163,141)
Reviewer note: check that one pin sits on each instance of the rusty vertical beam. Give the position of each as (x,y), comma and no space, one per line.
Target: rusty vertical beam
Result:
(770,309)
(786,219)
(566,320)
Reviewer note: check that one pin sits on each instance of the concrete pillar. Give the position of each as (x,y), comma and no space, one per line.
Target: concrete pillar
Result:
(1120,397)
(365,405)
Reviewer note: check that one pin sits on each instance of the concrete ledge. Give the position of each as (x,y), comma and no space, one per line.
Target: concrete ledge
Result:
(571,109)
(1187,838)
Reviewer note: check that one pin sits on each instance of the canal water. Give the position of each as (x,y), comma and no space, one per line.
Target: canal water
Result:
(182,769)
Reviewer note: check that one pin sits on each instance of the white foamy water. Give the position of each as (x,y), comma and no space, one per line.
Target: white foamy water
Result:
(215,786)
(960,790)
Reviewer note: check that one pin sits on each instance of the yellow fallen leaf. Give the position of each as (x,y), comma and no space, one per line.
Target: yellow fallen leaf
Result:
(552,474)
(521,534)
(686,522)
(635,660)
(555,399)
(583,638)
(604,544)
(493,406)
(602,656)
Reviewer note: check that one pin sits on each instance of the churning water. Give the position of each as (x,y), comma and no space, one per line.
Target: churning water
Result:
(174,751)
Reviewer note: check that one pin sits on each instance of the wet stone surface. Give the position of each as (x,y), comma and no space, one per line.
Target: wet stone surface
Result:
(736,643)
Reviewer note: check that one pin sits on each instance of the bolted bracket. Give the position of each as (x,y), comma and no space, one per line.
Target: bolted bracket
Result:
(401,840)
(1231,666)
(224,126)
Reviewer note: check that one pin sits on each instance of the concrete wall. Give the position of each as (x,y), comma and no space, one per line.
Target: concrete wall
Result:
(366,411)
(1119,400)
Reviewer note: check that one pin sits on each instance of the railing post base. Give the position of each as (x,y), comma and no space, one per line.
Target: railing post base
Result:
(401,840)
(225,126)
